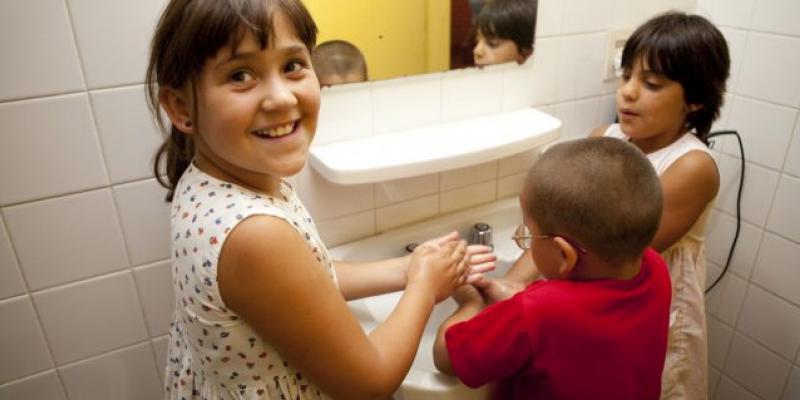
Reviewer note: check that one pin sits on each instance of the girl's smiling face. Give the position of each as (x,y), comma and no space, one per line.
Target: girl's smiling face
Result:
(495,50)
(257,109)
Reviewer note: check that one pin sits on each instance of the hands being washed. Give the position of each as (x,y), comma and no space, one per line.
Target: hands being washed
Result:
(480,259)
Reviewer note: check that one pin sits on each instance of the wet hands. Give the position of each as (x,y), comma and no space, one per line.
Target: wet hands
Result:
(439,267)
(497,289)
(480,258)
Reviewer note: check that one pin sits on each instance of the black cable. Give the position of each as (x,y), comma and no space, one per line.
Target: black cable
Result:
(738,206)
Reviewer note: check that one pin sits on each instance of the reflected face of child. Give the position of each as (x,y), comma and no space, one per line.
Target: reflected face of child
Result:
(494,50)
(650,104)
(257,109)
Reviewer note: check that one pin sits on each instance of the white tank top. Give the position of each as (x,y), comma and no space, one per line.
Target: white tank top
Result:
(663,158)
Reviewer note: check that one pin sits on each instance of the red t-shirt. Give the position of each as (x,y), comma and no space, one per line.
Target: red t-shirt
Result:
(560,339)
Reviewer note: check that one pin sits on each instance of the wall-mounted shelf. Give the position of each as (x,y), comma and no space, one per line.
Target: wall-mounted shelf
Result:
(434,148)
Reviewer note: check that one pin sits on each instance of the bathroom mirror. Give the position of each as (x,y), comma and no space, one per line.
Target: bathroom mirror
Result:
(391,38)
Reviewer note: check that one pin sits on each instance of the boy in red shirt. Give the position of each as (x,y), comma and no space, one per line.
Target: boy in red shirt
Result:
(596,326)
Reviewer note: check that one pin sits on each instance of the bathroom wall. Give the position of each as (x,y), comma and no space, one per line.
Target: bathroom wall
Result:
(754,323)
(84,284)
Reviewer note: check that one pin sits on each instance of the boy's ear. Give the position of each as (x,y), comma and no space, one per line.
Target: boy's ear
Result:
(569,256)
(694,107)
(524,55)
(178,107)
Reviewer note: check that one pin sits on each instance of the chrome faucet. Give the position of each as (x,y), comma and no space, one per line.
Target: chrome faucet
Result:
(481,233)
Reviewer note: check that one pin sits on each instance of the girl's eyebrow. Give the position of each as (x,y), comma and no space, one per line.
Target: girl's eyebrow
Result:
(290,50)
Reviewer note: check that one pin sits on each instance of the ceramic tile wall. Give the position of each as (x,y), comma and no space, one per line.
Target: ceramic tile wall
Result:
(754,321)
(84,296)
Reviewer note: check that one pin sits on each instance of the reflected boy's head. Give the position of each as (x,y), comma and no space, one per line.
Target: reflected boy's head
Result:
(337,62)
(505,31)
(599,193)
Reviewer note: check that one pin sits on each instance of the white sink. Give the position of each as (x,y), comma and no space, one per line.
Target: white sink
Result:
(423,381)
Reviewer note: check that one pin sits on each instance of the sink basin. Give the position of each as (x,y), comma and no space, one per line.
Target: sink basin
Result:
(424,381)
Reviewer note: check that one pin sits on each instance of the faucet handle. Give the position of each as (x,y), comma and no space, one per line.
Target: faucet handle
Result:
(481,233)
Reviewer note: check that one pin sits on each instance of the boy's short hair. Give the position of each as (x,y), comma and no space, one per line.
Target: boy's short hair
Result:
(338,57)
(514,20)
(602,192)
(690,50)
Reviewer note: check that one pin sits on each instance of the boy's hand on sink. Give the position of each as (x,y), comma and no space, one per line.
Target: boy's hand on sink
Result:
(468,294)
(497,289)
(441,269)
(481,259)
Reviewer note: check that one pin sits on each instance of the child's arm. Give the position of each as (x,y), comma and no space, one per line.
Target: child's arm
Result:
(470,303)
(688,185)
(281,290)
(364,279)
(517,278)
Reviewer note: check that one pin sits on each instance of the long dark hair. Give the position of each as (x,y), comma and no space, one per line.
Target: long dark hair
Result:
(187,34)
(690,50)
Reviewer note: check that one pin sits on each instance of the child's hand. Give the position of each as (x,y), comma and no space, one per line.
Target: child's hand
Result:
(438,241)
(466,294)
(499,289)
(440,269)
(482,259)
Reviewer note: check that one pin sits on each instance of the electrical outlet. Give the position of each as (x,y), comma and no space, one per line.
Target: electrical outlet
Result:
(616,42)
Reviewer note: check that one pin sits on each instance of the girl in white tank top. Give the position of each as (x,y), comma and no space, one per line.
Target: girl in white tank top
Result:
(674,71)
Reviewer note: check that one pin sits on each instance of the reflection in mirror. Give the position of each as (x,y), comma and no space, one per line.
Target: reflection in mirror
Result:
(380,39)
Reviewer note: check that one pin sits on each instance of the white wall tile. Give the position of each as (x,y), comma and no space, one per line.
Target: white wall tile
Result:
(104,315)
(729,390)
(793,387)
(778,329)
(759,188)
(580,65)
(345,229)
(40,55)
(11,283)
(405,189)
(756,368)
(777,269)
(765,130)
(586,16)
(725,300)
(44,386)
(326,200)
(114,49)
(127,132)
(23,346)
(471,92)
(160,350)
(468,196)
(406,103)
(737,41)
(721,230)
(784,218)
(467,176)
(67,238)
(719,338)
(792,165)
(722,13)
(510,185)
(764,78)
(549,16)
(145,220)
(48,147)
(343,115)
(713,380)
(532,83)
(517,163)
(607,110)
(778,16)
(579,118)
(407,212)
(154,283)
(128,374)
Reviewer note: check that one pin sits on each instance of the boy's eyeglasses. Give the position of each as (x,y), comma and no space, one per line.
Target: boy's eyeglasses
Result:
(523,238)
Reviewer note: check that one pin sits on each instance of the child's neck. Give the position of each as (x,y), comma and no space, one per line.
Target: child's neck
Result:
(594,269)
(259,183)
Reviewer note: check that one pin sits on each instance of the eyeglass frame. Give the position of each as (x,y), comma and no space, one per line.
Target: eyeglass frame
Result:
(524,242)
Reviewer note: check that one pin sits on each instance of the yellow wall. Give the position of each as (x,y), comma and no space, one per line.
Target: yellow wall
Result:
(397,37)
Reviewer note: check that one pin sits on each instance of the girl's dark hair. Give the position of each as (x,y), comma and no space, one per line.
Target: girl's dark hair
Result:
(187,34)
(690,50)
(514,20)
